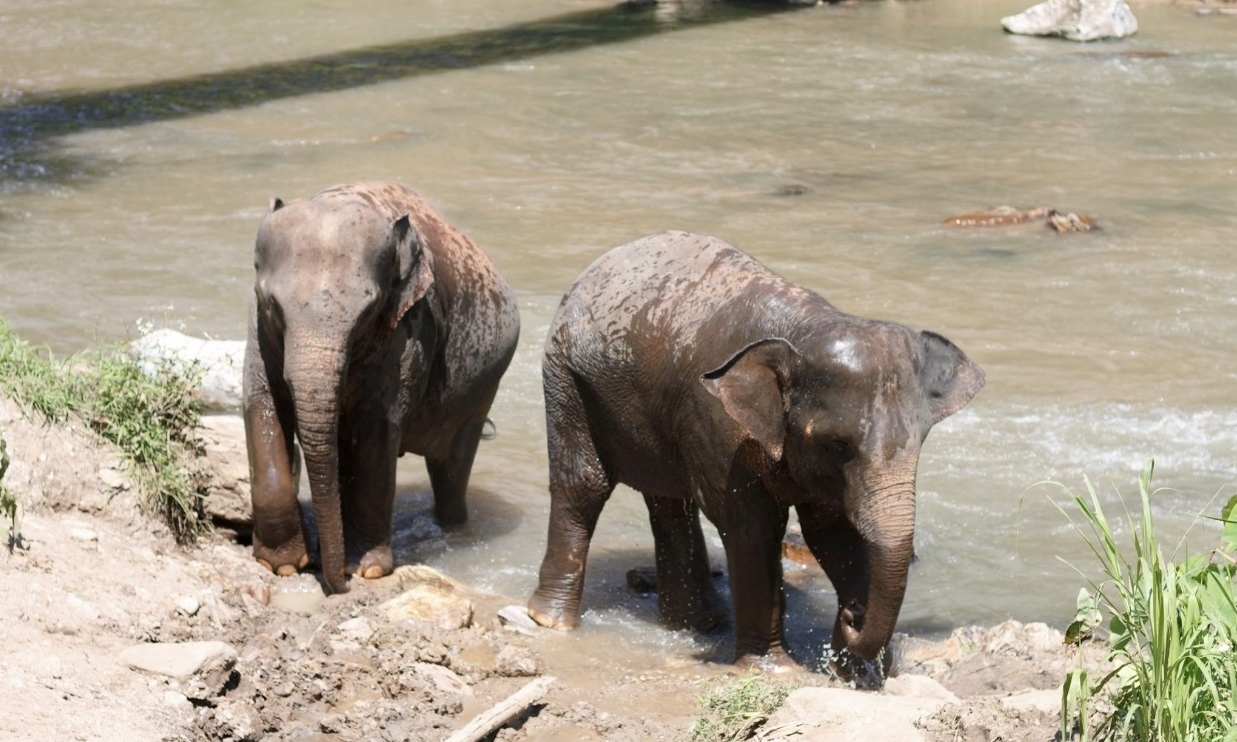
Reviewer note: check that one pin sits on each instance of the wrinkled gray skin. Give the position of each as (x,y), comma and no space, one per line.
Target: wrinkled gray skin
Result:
(680,366)
(376,329)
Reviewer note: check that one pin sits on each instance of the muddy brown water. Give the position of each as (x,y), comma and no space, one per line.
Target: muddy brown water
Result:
(141,140)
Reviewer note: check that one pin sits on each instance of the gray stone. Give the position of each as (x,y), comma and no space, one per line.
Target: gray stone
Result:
(515,662)
(201,668)
(227,498)
(918,686)
(217,364)
(1076,20)
(1047,702)
(515,618)
(357,630)
(443,678)
(188,605)
(841,715)
(437,605)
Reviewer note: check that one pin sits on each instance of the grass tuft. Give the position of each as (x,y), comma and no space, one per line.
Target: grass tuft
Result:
(1172,631)
(151,420)
(736,711)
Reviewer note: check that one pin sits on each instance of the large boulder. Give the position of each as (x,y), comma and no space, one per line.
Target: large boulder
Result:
(216,364)
(1076,20)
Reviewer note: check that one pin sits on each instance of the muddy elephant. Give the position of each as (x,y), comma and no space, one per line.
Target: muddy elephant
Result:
(682,367)
(376,329)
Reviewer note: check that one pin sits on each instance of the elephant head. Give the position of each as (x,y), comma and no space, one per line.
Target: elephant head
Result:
(333,282)
(843,413)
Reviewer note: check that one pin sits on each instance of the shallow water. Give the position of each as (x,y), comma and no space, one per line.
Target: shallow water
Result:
(141,141)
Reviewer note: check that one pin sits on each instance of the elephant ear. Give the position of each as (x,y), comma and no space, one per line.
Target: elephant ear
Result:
(753,387)
(415,274)
(949,378)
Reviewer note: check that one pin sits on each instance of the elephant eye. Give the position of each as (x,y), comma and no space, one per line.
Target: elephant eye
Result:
(839,448)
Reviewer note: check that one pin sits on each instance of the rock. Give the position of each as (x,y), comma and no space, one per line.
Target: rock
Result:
(515,618)
(113,478)
(237,720)
(918,686)
(227,500)
(202,668)
(515,662)
(217,364)
(1076,20)
(795,548)
(357,630)
(444,679)
(85,535)
(1012,637)
(642,580)
(1044,702)
(841,715)
(433,601)
(1071,222)
(188,605)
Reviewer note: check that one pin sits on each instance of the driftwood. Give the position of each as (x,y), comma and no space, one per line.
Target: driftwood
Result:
(487,722)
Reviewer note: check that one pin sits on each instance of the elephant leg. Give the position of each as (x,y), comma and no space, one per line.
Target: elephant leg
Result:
(449,474)
(367,496)
(686,596)
(752,528)
(579,488)
(278,538)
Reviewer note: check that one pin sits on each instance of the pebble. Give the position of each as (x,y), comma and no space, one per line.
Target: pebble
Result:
(85,535)
(113,478)
(188,605)
(515,662)
(515,618)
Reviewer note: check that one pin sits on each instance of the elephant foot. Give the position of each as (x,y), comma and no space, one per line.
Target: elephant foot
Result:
(775,661)
(283,562)
(377,562)
(550,614)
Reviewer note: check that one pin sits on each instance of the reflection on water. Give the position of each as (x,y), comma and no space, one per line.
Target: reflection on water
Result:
(830,142)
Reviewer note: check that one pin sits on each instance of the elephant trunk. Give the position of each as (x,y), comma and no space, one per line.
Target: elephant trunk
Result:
(886,522)
(315,375)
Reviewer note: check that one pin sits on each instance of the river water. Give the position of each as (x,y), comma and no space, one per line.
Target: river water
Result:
(141,140)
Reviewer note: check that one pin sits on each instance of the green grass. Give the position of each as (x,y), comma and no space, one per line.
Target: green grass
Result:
(152,421)
(735,711)
(1172,628)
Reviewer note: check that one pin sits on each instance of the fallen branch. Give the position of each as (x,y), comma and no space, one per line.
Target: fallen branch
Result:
(487,722)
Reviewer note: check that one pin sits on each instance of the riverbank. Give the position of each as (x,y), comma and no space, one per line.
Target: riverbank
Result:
(414,656)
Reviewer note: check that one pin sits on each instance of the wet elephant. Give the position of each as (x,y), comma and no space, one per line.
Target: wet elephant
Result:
(682,367)
(376,329)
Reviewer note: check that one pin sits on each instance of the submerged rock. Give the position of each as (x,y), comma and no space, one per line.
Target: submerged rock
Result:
(1076,20)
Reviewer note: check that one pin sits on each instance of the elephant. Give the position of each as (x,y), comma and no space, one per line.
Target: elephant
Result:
(376,329)
(682,367)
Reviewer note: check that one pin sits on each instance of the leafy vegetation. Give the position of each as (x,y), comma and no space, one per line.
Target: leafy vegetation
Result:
(151,420)
(10,509)
(735,711)
(1172,630)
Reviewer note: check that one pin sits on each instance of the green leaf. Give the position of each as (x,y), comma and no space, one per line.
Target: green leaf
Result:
(1229,515)
(1086,618)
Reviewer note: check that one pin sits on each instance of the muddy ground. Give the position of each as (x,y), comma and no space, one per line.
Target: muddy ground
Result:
(410,657)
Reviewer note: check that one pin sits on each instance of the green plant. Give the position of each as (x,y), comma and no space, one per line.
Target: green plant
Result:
(10,508)
(735,711)
(151,419)
(1172,631)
